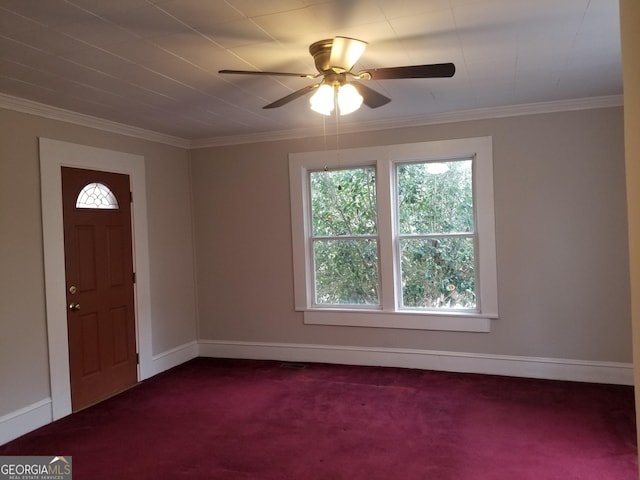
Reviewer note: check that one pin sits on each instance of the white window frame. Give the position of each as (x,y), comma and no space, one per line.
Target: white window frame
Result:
(385,158)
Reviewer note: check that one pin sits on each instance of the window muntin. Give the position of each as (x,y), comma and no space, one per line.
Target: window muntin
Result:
(436,235)
(395,311)
(344,236)
(97,195)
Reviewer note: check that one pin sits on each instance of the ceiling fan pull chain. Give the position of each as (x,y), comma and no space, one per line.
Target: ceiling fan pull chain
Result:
(338,153)
(324,137)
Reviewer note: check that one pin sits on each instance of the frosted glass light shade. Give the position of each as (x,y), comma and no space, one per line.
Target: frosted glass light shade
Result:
(349,100)
(322,100)
(345,52)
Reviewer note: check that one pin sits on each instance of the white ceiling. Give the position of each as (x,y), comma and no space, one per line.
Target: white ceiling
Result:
(153,64)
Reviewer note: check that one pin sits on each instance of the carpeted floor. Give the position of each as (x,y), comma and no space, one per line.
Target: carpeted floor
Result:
(240,419)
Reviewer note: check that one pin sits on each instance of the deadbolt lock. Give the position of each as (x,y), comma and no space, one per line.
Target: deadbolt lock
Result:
(73,289)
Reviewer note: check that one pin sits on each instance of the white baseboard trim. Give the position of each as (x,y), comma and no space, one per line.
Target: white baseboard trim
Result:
(25,420)
(36,415)
(171,358)
(527,367)
(31,417)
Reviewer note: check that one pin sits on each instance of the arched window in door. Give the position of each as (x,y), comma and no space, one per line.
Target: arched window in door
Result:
(97,195)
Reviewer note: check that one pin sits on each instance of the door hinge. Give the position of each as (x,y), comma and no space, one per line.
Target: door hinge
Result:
(138,358)
(134,277)
(130,197)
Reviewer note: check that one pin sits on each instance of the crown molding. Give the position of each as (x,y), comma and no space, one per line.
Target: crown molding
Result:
(421,120)
(55,113)
(35,108)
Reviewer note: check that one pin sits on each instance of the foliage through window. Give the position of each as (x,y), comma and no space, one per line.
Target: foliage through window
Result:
(345,239)
(436,234)
(396,236)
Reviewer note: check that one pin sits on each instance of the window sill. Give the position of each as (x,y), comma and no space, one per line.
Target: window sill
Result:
(452,322)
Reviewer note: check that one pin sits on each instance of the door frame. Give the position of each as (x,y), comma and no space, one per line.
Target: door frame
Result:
(55,154)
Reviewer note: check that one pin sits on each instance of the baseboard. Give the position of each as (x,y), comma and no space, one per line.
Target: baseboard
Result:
(25,420)
(171,358)
(31,417)
(513,366)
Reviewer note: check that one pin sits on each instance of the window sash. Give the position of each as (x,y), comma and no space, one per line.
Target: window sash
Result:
(371,230)
(376,284)
(396,200)
(400,274)
(399,237)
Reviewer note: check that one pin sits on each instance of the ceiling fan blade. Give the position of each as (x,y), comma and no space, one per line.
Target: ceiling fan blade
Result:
(370,97)
(292,96)
(436,70)
(345,52)
(280,74)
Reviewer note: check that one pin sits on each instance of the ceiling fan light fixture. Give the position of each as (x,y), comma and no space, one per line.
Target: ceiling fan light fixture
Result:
(334,59)
(322,100)
(346,96)
(349,99)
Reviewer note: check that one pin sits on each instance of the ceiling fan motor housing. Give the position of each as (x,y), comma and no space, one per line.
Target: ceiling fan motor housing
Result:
(321,53)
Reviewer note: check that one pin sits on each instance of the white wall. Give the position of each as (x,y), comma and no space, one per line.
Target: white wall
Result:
(561,242)
(561,246)
(24,363)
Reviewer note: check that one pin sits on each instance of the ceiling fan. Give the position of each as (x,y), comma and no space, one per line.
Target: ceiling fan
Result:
(334,58)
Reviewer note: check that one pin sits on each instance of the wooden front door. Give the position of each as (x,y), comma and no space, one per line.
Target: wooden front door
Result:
(99,283)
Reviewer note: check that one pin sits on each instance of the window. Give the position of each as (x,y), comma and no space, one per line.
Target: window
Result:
(399,236)
(97,195)
(344,237)
(436,234)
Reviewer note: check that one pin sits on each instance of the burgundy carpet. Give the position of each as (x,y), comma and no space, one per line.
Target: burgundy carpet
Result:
(231,419)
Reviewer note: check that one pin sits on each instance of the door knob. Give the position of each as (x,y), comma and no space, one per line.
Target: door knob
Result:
(74,306)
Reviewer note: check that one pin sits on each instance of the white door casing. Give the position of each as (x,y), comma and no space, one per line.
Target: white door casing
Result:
(55,154)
